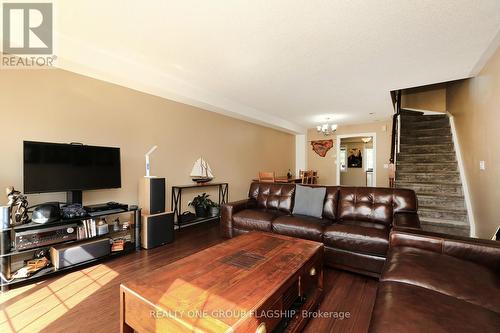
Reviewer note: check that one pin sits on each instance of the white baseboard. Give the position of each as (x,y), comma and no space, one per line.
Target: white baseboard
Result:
(463,178)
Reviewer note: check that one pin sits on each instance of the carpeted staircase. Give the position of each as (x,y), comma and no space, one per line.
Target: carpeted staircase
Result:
(427,164)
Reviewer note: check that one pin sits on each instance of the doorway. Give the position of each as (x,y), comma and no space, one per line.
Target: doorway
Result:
(356,159)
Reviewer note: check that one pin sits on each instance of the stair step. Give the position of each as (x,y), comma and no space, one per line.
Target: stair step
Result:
(426,167)
(445,227)
(432,188)
(434,139)
(430,148)
(416,142)
(423,177)
(449,201)
(427,157)
(419,118)
(411,112)
(419,123)
(419,132)
(439,213)
(406,112)
(448,222)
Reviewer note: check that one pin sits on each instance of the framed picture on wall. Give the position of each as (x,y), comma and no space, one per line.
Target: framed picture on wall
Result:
(354,158)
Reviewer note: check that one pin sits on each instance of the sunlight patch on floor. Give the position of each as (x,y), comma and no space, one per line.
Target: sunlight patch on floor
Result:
(29,309)
(4,297)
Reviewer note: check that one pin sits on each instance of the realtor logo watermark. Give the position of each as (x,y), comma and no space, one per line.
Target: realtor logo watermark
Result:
(27,35)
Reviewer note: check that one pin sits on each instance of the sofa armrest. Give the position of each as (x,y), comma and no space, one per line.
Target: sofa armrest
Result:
(482,251)
(406,220)
(227,211)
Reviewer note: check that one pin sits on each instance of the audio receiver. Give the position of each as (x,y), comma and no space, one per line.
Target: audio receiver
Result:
(42,237)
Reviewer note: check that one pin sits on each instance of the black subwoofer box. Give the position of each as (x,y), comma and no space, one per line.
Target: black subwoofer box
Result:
(157,230)
(66,255)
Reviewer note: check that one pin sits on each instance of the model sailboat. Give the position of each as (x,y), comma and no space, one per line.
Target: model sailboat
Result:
(201,172)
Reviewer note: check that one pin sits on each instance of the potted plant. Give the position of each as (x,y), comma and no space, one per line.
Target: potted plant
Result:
(201,203)
(214,208)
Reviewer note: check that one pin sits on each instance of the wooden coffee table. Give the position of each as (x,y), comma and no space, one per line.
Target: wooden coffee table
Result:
(256,282)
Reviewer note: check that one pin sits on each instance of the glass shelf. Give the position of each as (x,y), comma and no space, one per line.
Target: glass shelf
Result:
(34,225)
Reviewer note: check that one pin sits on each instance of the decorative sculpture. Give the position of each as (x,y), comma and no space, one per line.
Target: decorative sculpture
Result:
(201,172)
(18,204)
(321,147)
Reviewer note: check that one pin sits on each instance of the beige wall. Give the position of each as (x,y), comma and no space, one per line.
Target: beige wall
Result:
(59,106)
(475,105)
(326,166)
(429,98)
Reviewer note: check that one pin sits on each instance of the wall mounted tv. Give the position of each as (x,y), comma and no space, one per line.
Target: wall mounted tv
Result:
(55,167)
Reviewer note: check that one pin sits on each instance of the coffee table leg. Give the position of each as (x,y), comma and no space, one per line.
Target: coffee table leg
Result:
(124,328)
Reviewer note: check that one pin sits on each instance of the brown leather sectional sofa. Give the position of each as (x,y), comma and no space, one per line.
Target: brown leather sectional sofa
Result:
(354,227)
(438,283)
(429,283)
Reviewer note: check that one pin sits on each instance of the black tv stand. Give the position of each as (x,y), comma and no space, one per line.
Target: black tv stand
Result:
(74,197)
(11,254)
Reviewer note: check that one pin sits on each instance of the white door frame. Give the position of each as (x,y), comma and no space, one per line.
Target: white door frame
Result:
(357,135)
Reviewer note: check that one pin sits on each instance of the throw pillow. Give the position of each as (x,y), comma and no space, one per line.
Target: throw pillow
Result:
(309,201)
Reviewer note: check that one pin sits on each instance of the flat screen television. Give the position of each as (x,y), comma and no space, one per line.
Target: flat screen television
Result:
(55,167)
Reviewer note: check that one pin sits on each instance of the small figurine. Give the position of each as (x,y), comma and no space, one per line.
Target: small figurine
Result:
(18,204)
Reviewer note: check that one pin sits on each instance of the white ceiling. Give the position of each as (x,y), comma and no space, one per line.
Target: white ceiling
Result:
(283,63)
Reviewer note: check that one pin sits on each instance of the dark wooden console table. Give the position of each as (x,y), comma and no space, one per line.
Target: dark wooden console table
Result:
(176,201)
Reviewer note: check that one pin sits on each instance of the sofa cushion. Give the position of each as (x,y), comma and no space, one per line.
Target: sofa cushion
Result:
(448,275)
(366,264)
(300,226)
(255,219)
(309,201)
(366,204)
(406,308)
(357,238)
(366,224)
(374,204)
(272,196)
(331,202)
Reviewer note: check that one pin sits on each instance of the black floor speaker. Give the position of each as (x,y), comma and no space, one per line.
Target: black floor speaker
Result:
(157,230)
(152,195)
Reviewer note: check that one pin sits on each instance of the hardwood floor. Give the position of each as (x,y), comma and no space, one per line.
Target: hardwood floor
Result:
(351,296)
(87,300)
